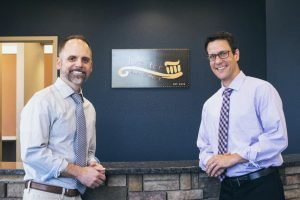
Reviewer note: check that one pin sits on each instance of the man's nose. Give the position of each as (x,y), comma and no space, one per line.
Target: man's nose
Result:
(79,62)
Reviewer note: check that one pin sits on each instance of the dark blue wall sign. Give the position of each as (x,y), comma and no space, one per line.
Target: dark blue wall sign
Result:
(134,68)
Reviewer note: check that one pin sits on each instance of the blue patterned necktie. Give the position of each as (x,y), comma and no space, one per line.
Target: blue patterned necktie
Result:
(80,137)
(223,125)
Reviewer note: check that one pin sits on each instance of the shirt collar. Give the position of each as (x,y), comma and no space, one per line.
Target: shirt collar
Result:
(236,82)
(64,89)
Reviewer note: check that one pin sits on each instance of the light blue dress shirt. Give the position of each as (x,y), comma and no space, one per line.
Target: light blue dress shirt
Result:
(257,127)
(47,133)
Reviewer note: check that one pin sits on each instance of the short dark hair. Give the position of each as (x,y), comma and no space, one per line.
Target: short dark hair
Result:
(221,35)
(71,37)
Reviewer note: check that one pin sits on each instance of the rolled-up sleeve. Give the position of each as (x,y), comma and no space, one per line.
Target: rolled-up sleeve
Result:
(273,139)
(203,142)
(34,136)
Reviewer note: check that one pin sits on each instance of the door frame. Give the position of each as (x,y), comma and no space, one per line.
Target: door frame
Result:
(53,40)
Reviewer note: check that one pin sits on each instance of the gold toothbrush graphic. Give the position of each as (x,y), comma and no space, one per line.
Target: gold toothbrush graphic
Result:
(173,70)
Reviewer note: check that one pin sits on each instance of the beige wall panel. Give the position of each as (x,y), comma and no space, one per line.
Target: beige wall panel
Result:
(8,95)
(48,79)
(0,102)
(0,94)
(34,69)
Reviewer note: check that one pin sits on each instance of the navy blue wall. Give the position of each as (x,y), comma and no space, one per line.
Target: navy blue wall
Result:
(283,61)
(147,124)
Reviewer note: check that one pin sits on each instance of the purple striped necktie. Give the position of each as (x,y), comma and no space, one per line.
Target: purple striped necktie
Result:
(224,124)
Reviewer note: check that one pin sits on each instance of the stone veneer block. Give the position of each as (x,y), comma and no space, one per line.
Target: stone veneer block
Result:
(147,196)
(186,194)
(204,180)
(185,182)
(292,170)
(2,189)
(211,191)
(292,194)
(106,193)
(209,185)
(292,179)
(12,178)
(195,181)
(135,183)
(15,189)
(290,187)
(116,180)
(157,182)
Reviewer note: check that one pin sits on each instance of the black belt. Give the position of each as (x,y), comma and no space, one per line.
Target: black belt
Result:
(52,189)
(239,180)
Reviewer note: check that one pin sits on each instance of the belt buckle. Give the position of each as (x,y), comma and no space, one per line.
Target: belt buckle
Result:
(71,192)
(235,182)
(67,192)
(240,180)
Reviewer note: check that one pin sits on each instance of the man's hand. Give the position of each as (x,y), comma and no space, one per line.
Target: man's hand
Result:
(217,164)
(92,176)
(99,168)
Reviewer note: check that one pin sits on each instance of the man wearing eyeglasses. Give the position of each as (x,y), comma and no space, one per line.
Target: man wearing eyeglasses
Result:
(243,130)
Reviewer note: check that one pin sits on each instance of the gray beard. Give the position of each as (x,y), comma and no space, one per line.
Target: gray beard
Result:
(77,79)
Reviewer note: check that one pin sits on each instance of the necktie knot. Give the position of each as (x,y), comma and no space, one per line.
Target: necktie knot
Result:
(77,98)
(227,92)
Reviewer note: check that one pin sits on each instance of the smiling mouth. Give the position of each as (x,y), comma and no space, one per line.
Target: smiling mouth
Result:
(220,68)
(78,72)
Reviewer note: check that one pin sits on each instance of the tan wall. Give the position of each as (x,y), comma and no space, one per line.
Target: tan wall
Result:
(0,102)
(8,95)
(34,69)
(48,69)
(0,93)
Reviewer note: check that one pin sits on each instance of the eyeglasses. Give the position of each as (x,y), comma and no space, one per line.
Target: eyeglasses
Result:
(221,55)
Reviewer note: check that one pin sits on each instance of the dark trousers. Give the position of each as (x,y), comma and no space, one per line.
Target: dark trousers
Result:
(267,187)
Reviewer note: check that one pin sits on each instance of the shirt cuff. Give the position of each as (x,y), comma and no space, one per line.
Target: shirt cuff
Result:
(94,159)
(204,160)
(62,167)
(250,156)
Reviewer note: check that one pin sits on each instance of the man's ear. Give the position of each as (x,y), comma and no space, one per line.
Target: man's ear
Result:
(237,54)
(58,63)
